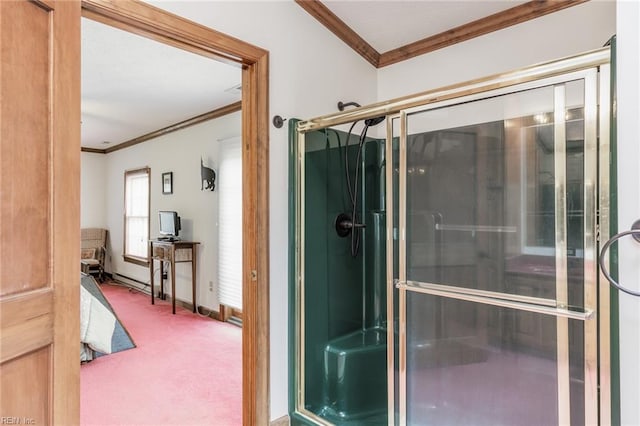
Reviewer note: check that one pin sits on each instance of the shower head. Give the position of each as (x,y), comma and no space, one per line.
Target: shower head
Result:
(370,122)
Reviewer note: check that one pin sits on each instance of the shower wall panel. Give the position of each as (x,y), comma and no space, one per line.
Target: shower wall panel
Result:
(337,296)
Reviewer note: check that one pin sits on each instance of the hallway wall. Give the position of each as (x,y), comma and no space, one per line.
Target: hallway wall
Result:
(93,197)
(310,70)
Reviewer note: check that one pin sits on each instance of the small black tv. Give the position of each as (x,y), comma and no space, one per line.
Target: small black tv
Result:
(169,225)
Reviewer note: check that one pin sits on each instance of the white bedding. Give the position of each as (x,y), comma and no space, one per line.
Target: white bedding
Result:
(96,323)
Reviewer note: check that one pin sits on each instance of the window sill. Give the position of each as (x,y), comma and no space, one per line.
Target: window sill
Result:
(142,261)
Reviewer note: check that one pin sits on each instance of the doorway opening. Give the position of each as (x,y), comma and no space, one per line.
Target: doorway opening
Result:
(164,27)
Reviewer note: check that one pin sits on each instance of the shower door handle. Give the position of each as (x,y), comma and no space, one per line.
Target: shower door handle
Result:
(524,303)
(635,232)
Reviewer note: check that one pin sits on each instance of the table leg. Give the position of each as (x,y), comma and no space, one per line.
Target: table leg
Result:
(193,275)
(162,296)
(153,302)
(173,280)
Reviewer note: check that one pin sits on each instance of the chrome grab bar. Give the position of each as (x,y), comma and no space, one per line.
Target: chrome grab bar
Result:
(635,232)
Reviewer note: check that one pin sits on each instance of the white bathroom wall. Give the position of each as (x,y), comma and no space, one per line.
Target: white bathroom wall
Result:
(628,73)
(93,197)
(178,152)
(310,71)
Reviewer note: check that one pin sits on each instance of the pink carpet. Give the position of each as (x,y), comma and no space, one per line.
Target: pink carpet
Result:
(185,370)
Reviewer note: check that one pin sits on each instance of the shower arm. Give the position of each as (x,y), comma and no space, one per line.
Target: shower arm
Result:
(343,105)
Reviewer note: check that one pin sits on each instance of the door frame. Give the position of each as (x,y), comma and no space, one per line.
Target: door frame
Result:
(154,23)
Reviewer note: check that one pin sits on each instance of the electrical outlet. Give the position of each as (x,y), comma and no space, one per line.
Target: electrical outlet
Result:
(210,285)
(164,275)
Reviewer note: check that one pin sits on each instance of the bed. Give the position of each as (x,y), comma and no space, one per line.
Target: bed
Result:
(101,332)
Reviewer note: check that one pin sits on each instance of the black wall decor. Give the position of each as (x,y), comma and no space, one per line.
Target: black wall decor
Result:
(207,177)
(167,183)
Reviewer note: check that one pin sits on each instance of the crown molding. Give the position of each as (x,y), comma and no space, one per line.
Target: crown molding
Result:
(93,150)
(497,21)
(337,26)
(515,15)
(216,113)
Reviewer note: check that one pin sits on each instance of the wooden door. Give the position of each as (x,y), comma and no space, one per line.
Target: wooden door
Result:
(39,212)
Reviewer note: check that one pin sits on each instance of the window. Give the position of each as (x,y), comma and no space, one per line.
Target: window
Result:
(136,216)
(230,224)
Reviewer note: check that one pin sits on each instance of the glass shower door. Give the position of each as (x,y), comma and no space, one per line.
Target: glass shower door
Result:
(494,240)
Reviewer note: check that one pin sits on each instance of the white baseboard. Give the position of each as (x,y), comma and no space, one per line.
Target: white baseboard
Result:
(281,421)
(130,282)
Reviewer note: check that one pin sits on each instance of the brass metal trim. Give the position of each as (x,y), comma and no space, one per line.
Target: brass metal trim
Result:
(560,176)
(536,72)
(562,294)
(590,249)
(390,289)
(402,272)
(426,288)
(485,293)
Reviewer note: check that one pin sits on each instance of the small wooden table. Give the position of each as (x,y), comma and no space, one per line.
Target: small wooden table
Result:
(165,251)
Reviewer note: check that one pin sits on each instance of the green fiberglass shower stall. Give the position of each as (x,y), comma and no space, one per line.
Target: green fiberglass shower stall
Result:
(345,293)
(443,259)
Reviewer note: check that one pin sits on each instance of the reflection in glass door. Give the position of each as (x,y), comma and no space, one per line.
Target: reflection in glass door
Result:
(496,273)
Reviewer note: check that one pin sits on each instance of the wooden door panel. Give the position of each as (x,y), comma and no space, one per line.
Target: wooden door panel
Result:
(27,323)
(26,141)
(39,211)
(21,401)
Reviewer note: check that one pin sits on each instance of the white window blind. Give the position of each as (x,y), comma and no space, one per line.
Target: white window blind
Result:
(136,222)
(230,223)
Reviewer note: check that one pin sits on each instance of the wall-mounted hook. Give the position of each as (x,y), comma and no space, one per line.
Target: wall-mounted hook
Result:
(278,121)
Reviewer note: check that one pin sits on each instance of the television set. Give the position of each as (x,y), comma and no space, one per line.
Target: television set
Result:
(169,225)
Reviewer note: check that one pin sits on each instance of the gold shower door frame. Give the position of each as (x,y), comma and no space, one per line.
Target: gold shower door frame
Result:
(591,66)
(596,196)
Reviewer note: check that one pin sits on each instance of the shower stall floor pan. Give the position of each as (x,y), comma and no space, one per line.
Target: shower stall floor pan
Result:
(355,378)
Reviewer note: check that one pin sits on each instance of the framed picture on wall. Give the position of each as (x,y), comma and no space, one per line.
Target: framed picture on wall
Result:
(167,183)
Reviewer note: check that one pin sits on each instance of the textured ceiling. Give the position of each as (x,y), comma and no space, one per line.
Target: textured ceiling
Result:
(389,24)
(132,85)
